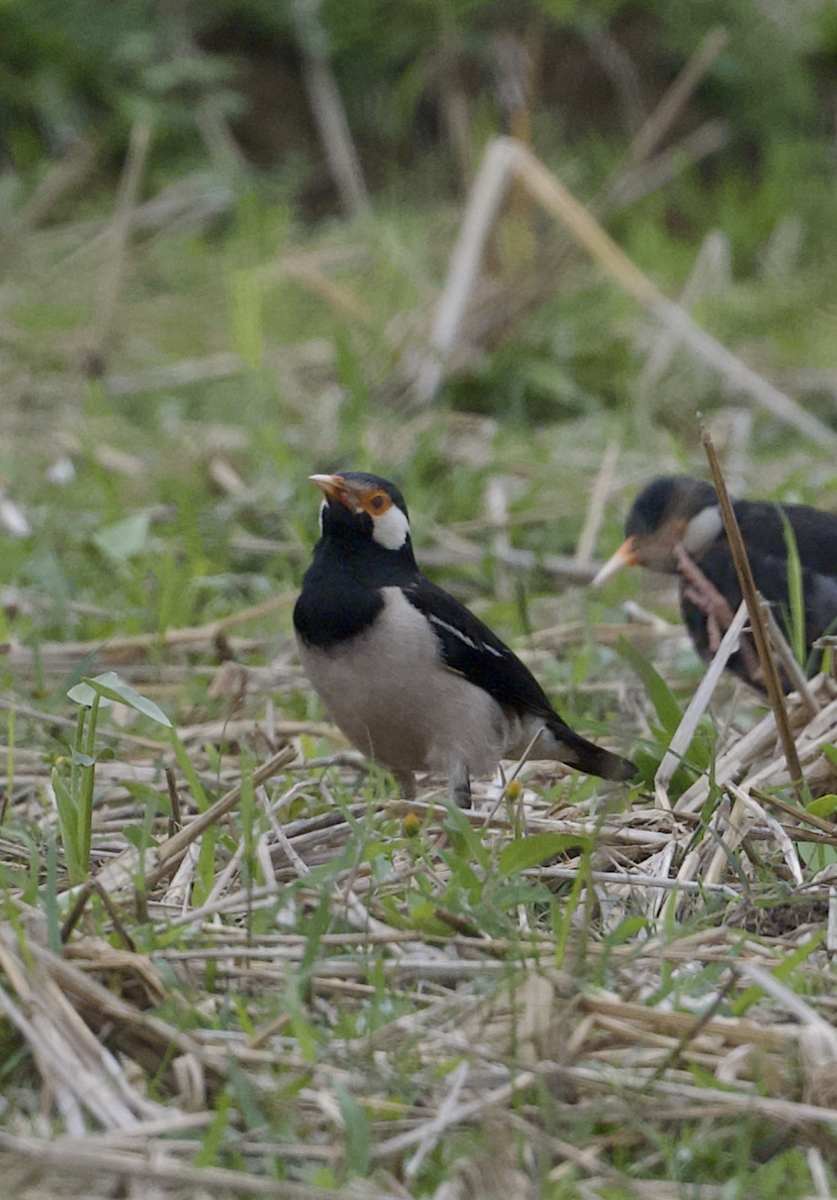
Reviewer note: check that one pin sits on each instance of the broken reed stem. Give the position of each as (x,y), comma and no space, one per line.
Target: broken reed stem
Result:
(657,125)
(174,847)
(596,506)
(118,231)
(748,591)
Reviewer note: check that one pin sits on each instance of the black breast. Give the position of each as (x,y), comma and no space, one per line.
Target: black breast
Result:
(334,604)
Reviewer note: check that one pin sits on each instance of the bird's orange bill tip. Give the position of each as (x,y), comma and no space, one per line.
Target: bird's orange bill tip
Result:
(625,556)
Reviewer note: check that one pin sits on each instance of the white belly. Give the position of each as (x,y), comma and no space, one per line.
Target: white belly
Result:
(390,694)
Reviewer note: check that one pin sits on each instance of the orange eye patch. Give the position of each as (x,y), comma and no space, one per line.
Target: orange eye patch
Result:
(376,502)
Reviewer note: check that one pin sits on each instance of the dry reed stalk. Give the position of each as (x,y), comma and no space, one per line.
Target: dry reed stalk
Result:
(116,236)
(687,728)
(655,128)
(794,672)
(506,159)
(160,861)
(747,584)
(60,177)
(87,1159)
(79,1071)
(599,493)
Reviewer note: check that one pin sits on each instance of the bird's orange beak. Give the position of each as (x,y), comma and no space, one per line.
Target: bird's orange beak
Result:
(625,556)
(334,487)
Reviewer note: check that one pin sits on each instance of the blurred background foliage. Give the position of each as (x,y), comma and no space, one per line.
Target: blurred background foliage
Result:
(236,239)
(197,311)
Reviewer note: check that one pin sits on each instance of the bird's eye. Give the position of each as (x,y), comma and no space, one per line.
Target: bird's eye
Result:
(376,503)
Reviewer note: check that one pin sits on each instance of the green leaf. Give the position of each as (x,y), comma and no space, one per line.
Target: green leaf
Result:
(817,855)
(626,931)
(90,760)
(465,840)
(67,826)
(139,837)
(207,1156)
(823,806)
(109,687)
(796,623)
(50,897)
(527,852)
(660,694)
(187,767)
(123,539)
(245,1095)
(830,752)
(357,1132)
(85,695)
(785,968)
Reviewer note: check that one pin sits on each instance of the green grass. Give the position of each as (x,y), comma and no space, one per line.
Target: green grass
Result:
(150,540)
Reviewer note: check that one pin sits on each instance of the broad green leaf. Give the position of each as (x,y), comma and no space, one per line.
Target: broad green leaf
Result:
(357,1132)
(465,840)
(626,931)
(830,752)
(122,693)
(90,760)
(527,852)
(123,539)
(86,695)
(67,826)
(660,694)
(817,855)
(823,806)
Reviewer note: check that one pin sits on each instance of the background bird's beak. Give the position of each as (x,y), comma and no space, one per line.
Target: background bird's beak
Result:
(625,556)
(333,487)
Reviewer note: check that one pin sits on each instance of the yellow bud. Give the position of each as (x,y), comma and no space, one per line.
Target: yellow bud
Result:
(514,790)
(412,824)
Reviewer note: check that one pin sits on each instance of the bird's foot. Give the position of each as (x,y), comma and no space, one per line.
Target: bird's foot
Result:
(698,590)
(460,786)
(406,781)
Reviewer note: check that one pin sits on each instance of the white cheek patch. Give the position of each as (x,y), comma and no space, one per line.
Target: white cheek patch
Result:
(391,530)
(703,529)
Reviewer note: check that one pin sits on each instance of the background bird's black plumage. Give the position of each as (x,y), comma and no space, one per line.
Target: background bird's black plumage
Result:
(764,527)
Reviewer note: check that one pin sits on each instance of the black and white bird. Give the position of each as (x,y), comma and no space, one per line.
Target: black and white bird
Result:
(411,677)
(675,526)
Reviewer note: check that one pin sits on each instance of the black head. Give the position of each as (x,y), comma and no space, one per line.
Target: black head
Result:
(668,498)
(669,511)
(363,509)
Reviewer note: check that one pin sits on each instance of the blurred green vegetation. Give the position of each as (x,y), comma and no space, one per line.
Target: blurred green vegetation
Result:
(556,365)
(163,483)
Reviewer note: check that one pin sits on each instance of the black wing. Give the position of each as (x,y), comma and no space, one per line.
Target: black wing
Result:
(770,574)
(815,531)
(469,647)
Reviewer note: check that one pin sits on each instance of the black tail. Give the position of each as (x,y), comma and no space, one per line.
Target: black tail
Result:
(591,759)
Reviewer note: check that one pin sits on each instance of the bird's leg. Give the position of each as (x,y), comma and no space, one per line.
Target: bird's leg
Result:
(460,785)
(716,608)
(705,597)
(406,781)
